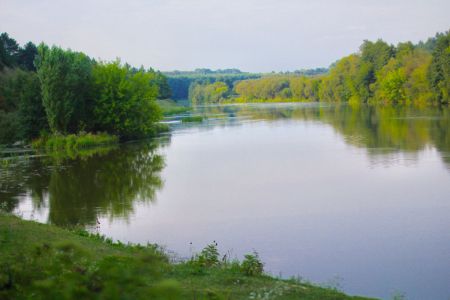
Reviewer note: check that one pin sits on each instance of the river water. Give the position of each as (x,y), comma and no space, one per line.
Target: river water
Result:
(356,198)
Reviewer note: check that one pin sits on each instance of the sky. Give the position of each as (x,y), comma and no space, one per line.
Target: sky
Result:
(251,35)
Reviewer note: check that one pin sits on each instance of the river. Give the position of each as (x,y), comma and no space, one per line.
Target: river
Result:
(356,198)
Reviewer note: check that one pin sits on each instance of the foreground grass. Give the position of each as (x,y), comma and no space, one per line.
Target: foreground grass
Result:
(46,262)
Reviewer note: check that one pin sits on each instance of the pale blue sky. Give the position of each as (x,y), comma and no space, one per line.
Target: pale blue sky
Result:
(252,35)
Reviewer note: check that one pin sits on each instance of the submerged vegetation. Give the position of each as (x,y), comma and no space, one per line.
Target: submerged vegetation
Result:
(52,263)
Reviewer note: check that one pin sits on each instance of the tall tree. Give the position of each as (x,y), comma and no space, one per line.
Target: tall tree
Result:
(65,78)
(160,80)
(9,51)
(26,56)
(439,71)
(373,57)
(21,112)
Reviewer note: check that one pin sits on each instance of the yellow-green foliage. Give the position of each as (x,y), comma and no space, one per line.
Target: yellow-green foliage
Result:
(264,88)
(392,86)
(378,73)
(305,88)
(341,84)
(208,93)
(404,79)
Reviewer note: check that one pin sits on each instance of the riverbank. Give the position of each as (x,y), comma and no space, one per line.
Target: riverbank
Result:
(50,262)
(170,107)
(73,141)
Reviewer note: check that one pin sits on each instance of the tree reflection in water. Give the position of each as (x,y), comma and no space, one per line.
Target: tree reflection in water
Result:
(383,131)
(78,190)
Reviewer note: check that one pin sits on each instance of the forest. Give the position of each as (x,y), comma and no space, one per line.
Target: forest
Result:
(182,82)
(51,91)
(188,84)
(378,73)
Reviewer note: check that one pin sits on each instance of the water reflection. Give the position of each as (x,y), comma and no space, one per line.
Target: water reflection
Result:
(300,183)
(381,130)
(78,187)
(78,190)
(21,176)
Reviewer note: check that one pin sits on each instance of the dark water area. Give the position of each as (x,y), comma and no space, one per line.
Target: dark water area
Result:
(352,197)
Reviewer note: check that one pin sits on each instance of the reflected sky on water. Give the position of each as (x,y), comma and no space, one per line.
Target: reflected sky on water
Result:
(352,197)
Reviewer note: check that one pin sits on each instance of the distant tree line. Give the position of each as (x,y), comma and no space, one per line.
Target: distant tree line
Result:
(49,89)
(378,73)
(204,71)
(187,84)
(182,82)
(209,93)
(307,72)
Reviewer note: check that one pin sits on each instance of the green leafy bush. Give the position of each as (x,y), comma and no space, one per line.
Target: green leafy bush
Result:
(252,265)
(125,100)
(207,258)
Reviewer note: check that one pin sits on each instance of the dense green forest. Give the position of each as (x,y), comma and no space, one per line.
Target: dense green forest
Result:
(48,90)
(189,84)
(182,82)
(378,73)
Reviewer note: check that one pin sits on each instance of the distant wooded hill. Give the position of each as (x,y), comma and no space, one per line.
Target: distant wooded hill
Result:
(182,83)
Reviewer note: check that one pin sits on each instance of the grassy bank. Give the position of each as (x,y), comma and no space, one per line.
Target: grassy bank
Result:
(170,107)
(46,262)
(192,119)
(73,141)
(243,100)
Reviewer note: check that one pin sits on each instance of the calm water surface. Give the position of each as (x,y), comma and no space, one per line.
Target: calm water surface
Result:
(355,198)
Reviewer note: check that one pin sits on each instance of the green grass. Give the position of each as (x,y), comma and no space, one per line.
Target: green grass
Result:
(41,261)
(192,119)
(170,107)
(272,100)
(72,142)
